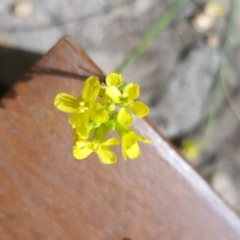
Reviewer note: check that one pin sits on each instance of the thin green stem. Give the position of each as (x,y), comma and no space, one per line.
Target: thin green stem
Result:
(100,133)
(156,29)
(218,91)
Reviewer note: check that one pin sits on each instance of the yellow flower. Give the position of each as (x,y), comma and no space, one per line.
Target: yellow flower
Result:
(100,109)
(107,103)
(82,149)
(83,107)
(130,147)
(127,99)
(124,117)
(189,149)
(68,103)
(114,79)
(214,10)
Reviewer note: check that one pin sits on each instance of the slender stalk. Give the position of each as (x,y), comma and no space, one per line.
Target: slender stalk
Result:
(156,29)
(218,91)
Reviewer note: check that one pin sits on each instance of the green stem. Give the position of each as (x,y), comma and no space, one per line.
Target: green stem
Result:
(100,134)
(218,91)
(156,29)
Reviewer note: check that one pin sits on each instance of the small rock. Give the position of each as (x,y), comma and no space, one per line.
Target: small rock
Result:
(224,186)
(202,22)
(213,40)
(22,9)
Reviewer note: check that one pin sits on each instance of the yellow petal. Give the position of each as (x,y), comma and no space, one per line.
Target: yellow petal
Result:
(102,90)
(114,79)
(124,155)
(99,114)
(106,156)
(82,120)
(91,89)
(142,139)
(139,109)
(134,151)
(114,93)
(124,117)
(128,140)
(80,143)
(111,142)
(81,153)
(72,120)
(105,100)
(131,91)
(66,103)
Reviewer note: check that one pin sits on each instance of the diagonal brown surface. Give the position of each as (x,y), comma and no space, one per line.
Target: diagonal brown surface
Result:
(46,194)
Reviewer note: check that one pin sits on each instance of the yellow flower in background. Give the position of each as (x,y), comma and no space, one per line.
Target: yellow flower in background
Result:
(189,149)
(214,10)
(100,109)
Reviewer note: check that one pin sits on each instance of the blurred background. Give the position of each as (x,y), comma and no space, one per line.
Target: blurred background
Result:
(188,70)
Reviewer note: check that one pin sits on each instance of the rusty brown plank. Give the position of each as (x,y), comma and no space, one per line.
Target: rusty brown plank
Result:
(46,194)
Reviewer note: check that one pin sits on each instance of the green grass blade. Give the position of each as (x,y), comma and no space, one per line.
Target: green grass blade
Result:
(156,29)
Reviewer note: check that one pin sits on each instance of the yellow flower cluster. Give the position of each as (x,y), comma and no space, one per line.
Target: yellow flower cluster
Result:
(100,109)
